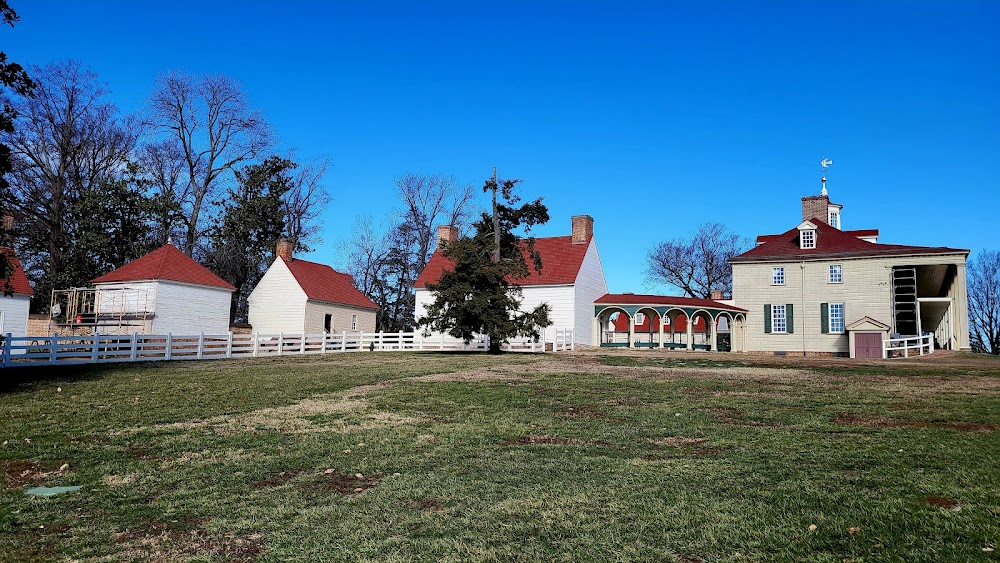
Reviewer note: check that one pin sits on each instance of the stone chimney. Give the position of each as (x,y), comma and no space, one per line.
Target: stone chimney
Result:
(447,233)
(815,206)
(285,249)
(583,228)
(716,295)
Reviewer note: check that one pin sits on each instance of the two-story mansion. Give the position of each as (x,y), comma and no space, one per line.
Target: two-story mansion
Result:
(817,289)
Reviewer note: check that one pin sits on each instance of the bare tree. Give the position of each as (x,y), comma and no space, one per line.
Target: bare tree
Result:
(304,202)
(213,128)
(984,302)
(430,200)
(699,264)
(68,140)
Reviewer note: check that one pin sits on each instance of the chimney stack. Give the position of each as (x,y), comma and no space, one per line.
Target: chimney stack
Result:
(7,237)
(815,206)
(583,228)
(446,233)
(716,295)
(285,249)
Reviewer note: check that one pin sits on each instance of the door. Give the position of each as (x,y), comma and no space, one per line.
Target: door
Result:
(868,345)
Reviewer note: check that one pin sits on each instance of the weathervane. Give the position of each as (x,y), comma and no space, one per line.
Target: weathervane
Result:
(825,163)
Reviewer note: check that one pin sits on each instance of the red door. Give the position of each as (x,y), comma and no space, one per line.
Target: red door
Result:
(868,345)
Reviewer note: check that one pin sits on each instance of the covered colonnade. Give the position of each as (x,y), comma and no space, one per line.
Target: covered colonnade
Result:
(629,320)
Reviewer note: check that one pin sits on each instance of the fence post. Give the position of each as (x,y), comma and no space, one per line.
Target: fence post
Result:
(170,345)
(229,345)
(97,344)
(343,342)
(322,349)
(256,343)
(420,342)
(572,340)
(6,350)
(135,346)
(53,346)
(543,341)
(302,344)
(281,342)
(201,345)
(381,341)
(442,341)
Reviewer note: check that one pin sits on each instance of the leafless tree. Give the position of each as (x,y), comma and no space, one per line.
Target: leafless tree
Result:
(304,202)
(68,139)
(430,200)
(984,302)
(212,126)
(698,264)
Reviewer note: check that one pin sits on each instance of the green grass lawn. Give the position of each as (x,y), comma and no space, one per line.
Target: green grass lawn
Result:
(393,457)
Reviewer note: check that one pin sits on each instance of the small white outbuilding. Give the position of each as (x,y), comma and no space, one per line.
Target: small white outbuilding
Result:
(163,292)
(14,307)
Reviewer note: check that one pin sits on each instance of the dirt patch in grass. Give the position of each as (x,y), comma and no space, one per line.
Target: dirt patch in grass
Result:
(942,502)
(882,422)
(733,417)
(21,472)
(278,479)
(156,540)
(557,441)
(347,483)
(430,505)
(495,373)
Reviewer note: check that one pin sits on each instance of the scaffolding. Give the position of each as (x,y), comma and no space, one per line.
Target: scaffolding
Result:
(113,310)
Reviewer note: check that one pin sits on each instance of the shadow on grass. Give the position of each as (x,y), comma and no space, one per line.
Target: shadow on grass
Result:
(22,378)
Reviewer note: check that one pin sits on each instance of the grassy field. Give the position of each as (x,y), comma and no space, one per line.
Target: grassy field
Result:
(447,457)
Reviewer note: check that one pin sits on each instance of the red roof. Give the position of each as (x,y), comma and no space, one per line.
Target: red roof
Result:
(561,262)
(830,243)
(854,233)
(18,280)
(165,263)
(638,299)
(322,283)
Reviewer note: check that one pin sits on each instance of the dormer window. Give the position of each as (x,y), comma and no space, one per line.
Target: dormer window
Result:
(807,239)
(834,219)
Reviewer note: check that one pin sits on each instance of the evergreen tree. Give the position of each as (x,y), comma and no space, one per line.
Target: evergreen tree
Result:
(480,294)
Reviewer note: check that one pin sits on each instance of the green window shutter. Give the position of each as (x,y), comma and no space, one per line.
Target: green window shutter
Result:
(824,315)
(790,318)
(767,319)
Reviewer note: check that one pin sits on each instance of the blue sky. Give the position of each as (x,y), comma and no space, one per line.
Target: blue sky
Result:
(651,117)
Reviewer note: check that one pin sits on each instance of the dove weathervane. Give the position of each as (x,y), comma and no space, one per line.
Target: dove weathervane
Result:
(825,163)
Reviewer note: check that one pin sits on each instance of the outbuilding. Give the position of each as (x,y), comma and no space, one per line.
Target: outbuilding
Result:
(14,307)
(298,296)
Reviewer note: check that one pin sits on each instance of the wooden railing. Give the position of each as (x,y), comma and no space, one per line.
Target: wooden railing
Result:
(900,347)
(106,348)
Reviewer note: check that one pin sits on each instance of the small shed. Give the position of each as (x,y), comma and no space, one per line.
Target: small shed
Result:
(299,296)
(14,307)
(865,336)
(163,292)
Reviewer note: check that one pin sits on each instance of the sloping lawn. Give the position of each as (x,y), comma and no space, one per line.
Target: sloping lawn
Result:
(393,457)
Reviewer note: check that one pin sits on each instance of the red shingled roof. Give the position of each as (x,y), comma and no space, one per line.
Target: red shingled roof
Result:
(854,233)
(322,283)
(165,263)
(18,280)
(830,243)
(638,299)
(561,262)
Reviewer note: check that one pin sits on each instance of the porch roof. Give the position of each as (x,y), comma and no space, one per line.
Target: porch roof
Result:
(632,303)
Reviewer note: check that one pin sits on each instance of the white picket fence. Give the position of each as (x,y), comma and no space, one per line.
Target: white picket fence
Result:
(107,348)
(900,347)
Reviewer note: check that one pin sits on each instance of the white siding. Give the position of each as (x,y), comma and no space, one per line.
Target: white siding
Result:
(126,302)
(560,300)
(189,309)
(590,285)
(316,312)
(15,314)
(277,303)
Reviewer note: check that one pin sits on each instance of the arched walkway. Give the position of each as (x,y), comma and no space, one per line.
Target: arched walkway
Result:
(656,321)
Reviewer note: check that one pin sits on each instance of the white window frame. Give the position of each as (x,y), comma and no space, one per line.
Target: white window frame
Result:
(840,317)
(802,239)
(834,218)
(839,269)
(775,318)
(354,322)
(778,275)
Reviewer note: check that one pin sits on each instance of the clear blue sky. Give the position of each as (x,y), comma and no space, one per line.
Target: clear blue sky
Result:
(652,118)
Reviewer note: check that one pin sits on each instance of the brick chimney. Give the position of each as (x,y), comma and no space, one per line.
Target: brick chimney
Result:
(7,227)
(716,295)
(285,249)
(447,233)
(583,228)
(815,206)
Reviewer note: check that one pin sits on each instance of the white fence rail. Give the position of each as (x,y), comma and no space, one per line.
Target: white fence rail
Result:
(106,348)
(900,347)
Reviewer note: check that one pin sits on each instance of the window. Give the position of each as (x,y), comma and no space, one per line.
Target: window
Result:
(328,323)
(778,276)
(354,322)
(807,239)
(778,319)
(834,219)
(836,273)
(640,318)
(837,318)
